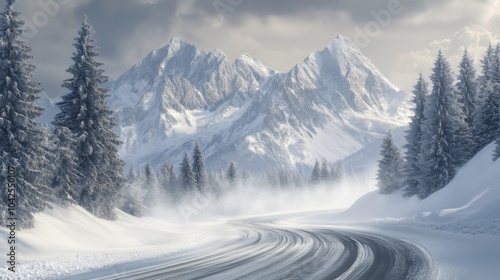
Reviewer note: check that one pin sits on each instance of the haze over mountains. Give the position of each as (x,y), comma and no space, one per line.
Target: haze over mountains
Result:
(328,106)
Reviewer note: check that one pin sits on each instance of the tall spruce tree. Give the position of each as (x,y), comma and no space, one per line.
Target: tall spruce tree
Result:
(67,177)
(412,167)
(443,137)
(164,183)
(487,116)
(21,138)
(496,86)
(467,88)
(324,172)
(200,174)
(337,172)
(232,174)
(150,187)
(85,112)
(390,167)
(132,195)
(187,179)
(315,174)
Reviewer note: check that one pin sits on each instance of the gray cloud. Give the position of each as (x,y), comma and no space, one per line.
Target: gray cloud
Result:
(359,10)
(280,33)
(119,20)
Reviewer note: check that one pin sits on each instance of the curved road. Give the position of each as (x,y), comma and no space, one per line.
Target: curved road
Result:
(267,251)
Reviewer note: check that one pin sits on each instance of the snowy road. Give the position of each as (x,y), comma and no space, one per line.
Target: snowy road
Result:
(266,250)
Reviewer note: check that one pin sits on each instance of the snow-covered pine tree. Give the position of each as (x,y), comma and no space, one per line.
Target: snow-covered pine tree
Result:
(85,112)
(315,174)
(163,176)
(324,172)
(132,195)
(339,172)
(200,174)
(232,174)
(150,187)
(20,135)
(467,88)
(164,183)
(67,177)
(390,167)
(412,165)
(487,118)
(176,193)
(443,140)
(131,175)
(187,179)
(496,86)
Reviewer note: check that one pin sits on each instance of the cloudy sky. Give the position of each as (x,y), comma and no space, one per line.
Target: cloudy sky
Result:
(401,37)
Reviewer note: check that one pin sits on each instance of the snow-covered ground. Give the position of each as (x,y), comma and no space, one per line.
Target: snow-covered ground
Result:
(458,225)
(71,240)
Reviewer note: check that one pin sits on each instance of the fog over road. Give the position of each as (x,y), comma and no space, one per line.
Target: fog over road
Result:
(268,250)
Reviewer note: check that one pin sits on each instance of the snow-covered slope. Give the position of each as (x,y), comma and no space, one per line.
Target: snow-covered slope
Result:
(71,240)
(329,106)
(469,203)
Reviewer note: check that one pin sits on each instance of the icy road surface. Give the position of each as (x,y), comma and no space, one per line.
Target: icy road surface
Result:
(268,250)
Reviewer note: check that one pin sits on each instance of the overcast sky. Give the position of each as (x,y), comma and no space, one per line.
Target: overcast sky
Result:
(400,37)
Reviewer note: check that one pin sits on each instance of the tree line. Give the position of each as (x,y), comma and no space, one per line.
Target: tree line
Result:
(148,188)
(452,121)
(78,161)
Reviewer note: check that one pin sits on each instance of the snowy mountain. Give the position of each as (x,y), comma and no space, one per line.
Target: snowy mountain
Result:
(329,106)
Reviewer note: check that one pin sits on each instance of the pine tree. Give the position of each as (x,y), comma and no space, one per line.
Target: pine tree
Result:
(131,176)
(496,86)
(231,174)
(164,182)
(188,181)
(21,137)
(390,167)
(172,187)
(200,174)
(150,187)
(467,89)
(132,195)
(413,170)
(315,174)
(337,172)
(487,116)
(443,139)
(324,172)
(67,177)
(85,112)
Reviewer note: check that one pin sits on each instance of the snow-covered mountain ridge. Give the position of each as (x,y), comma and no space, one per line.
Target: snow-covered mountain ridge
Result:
(328,106)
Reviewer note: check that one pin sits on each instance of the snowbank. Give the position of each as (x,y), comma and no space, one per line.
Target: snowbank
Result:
(71,240)
(470,203)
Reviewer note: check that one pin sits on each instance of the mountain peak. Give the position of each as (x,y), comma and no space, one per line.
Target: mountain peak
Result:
(245,60)
(176,40)
(218,53)
(176,43)
(342,43)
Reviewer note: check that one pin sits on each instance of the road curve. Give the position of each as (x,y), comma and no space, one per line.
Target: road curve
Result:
(268,251)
